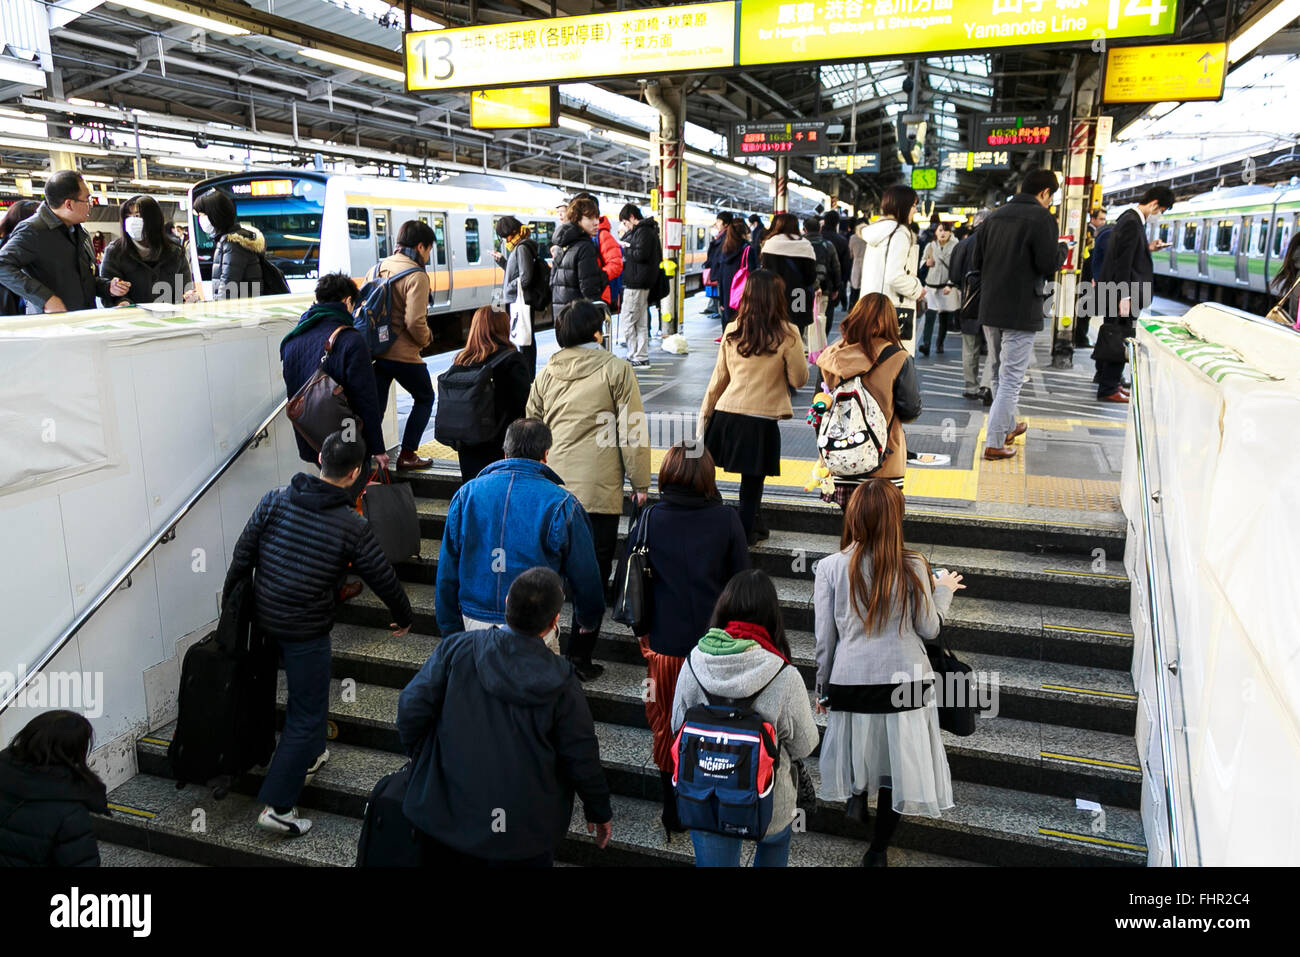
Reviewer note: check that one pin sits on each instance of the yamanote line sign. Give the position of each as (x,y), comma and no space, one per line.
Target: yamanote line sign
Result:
(743,33)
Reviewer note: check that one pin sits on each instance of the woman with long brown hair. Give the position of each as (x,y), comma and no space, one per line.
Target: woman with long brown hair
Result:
(875,603)
(760,360)
(869,349)
(488,351)
(696,544)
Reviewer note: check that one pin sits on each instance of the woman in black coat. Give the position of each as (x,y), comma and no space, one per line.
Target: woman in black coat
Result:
(47,794)
(788,254)
(575,264)
(696,545)
(488,344)
(10,303)
(236,251)
(730,255)
(147,257)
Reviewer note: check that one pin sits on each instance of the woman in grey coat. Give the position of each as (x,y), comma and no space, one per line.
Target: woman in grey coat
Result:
(743,654)
(518,265)
(875,604)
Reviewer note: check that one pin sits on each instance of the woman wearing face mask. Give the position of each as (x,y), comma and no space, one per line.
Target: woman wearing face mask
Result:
(236,250)
(148,257)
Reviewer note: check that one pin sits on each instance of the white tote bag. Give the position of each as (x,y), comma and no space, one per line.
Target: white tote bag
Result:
(521,322)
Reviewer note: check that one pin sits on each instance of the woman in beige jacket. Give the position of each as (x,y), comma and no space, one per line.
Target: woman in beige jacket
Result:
(591,402)
(761,360)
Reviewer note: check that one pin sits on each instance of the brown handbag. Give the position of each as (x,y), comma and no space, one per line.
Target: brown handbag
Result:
(320,408)
(1278,313)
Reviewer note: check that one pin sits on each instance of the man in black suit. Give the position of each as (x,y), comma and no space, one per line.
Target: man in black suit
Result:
(1125,285)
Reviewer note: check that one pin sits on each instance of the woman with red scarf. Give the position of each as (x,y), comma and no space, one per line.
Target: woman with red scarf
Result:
(743,654)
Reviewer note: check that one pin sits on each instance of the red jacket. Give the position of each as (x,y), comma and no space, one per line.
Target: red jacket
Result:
(610,254)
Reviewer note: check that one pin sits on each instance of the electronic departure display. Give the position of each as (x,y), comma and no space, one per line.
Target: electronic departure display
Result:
(976,161)
(848,163)
(777,138)
(1019,131)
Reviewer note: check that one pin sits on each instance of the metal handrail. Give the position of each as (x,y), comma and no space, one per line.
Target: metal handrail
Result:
(162,535)
(1172,805)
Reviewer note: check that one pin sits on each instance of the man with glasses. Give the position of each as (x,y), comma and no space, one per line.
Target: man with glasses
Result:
(48,262)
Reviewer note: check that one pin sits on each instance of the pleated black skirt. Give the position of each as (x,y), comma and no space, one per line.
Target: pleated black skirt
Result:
(744,444)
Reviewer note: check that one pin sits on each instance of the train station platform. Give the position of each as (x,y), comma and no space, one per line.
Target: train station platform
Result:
(1070,459)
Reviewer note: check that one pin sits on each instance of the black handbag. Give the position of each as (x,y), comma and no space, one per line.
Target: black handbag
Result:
(906,323)
(1112,338)
(634,605)
(390,510)
(805,791)
(954,690)
(320,407)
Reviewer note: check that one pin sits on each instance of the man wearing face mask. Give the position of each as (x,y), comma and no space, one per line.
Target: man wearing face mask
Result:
(492,534)
(1125,286)
(47,261)
(409,314)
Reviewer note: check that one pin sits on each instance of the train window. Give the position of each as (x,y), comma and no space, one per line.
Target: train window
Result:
(1223,236)
(699,238)
(1164,232)
(1259,244)
(1189,236)
(1279,236)
(358,222)
(541,232)
(471,241)
(440,239)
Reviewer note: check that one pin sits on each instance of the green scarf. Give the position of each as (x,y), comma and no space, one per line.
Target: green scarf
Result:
(319,312)
(718,642)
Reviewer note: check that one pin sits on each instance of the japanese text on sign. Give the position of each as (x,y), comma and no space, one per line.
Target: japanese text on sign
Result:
(756,139)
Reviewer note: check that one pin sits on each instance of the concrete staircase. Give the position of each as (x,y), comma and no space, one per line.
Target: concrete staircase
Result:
(1046,624)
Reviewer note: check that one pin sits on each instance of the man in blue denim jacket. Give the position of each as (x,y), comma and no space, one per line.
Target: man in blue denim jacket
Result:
(514,516)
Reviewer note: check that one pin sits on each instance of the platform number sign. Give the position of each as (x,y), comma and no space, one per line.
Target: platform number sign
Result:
(432,57)
(1153,9)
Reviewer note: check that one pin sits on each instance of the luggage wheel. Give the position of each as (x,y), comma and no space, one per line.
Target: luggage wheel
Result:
(219,792)
(331,731)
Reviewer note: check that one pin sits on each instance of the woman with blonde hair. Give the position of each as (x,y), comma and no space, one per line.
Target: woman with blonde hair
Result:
(869,348)
(488,348)
(875,605)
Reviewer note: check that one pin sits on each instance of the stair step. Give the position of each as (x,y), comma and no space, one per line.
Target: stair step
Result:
(119,855)
(1067,580)
(1059,530)
(987,823)
(1009,628)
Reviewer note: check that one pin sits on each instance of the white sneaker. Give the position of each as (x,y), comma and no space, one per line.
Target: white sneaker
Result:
(290,824)
(316,766)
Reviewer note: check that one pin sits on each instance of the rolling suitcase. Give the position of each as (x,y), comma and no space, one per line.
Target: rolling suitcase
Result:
(226,723)
(388,839)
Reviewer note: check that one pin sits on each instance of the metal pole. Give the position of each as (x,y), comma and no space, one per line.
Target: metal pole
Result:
(853,117)
(781,203)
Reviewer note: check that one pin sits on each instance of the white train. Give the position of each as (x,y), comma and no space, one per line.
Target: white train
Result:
(317,222)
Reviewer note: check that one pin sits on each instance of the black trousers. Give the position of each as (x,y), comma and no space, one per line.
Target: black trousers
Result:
(1081,330)
(604,533)
(1109,376)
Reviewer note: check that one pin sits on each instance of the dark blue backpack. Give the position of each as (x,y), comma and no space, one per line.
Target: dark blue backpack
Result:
(725,762)
(374,307)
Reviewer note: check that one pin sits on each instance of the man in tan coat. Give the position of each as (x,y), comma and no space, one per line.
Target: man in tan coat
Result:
(408,316)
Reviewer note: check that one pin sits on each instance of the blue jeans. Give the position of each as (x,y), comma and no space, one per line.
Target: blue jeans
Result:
(718,850)
(307,672)
(414,378)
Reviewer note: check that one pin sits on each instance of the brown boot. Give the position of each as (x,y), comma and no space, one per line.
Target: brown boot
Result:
(411,460)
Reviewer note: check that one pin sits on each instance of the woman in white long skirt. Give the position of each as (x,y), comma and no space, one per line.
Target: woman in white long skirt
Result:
(876,603)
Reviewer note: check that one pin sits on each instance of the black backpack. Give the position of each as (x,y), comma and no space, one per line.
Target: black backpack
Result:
(467,406)
(273,281)
(538,292)
(820,252)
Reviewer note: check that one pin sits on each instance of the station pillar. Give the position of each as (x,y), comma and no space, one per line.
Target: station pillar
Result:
(1076,197)
(670,100)
(781,202)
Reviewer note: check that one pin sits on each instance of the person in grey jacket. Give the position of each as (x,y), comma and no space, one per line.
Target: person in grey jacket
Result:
(743,654)
(875,605)
(519,263)
(47,261)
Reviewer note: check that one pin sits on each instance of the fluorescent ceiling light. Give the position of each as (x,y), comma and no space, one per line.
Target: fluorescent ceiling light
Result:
(181,16)
(53,146)
(160,184)
(569,123)
(699,159)
(88,177)
(20,115)
(185,162)
(1261,27)
(352,63)
(618,136)
(761,177)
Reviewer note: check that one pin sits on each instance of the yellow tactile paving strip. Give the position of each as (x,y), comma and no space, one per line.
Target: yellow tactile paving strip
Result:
(1006,481)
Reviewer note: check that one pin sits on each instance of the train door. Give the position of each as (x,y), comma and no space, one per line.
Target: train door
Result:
(1243,250)
(1202,248)
(361,241)
(383,233)
(439,273)
(475,257)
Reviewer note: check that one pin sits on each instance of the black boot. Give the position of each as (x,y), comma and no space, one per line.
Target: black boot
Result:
(671,821)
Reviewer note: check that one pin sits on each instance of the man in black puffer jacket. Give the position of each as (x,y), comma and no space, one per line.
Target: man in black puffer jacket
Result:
(575,264)
(301,539)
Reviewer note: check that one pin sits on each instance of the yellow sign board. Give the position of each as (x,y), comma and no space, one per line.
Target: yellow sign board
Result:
(642,42)
(1157,74)
(782,31)
(514,108)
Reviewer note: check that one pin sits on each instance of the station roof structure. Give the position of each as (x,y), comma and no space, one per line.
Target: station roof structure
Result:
(293,78)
